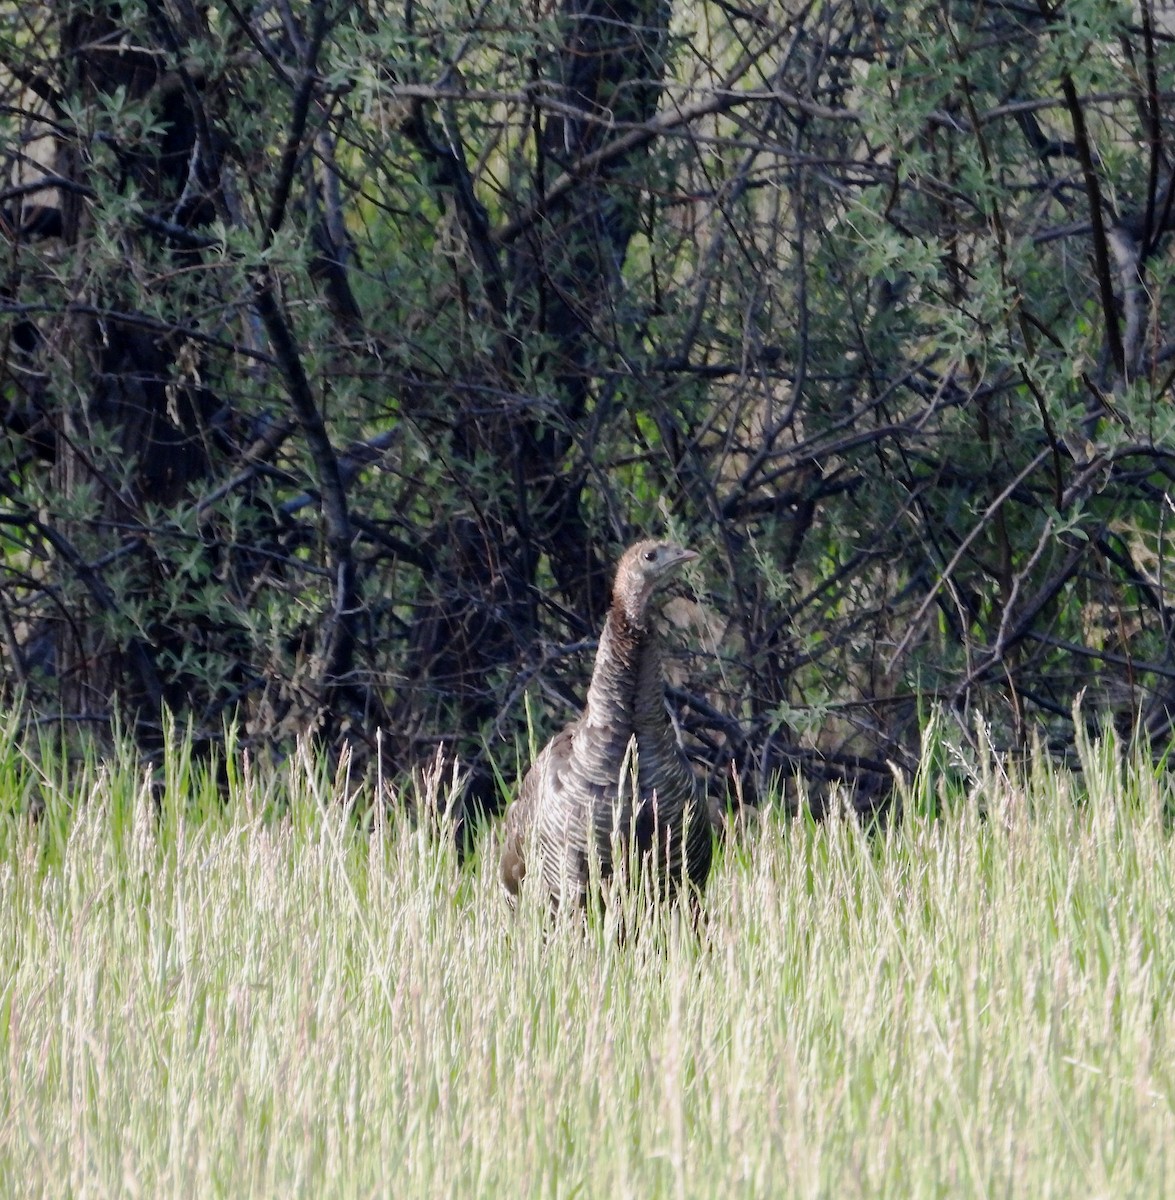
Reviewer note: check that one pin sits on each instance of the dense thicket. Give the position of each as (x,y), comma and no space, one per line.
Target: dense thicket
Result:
(344,343)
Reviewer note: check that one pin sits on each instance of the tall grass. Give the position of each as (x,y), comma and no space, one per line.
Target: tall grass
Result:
(253,996)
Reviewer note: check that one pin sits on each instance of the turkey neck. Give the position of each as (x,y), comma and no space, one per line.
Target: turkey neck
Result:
(626,691)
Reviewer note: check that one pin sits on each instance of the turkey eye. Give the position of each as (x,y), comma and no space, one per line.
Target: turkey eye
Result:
(650,555)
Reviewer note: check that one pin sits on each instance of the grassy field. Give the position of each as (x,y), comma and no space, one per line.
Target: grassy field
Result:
(255,998)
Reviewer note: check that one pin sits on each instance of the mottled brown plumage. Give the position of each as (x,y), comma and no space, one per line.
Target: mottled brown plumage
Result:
(577,800)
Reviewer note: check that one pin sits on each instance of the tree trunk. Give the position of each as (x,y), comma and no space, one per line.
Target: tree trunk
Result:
(135,430)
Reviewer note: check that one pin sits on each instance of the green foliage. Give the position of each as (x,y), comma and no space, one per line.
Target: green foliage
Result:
(338,384)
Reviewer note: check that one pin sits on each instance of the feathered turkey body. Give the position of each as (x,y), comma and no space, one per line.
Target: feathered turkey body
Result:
(578,795)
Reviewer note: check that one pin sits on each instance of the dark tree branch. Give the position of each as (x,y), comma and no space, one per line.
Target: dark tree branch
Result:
(299,115)
(339,639)
(1101,248)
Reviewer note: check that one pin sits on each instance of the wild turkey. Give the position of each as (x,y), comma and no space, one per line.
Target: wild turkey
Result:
(578,798)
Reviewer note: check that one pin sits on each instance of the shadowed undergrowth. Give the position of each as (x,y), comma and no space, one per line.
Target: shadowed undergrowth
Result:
(261,995)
